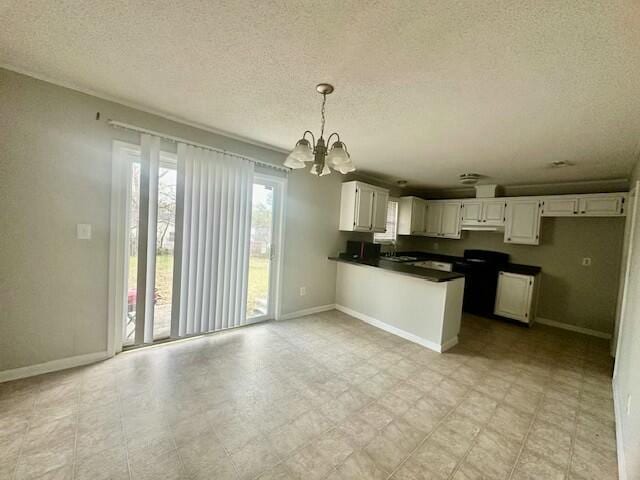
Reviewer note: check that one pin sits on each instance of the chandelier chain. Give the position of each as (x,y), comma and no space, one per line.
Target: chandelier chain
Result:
(324,101)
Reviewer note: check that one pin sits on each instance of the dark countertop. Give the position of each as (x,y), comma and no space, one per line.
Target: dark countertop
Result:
(510,267)
(522,269)
(399,267)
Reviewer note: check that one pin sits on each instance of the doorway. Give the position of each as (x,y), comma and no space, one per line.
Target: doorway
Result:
(264,263)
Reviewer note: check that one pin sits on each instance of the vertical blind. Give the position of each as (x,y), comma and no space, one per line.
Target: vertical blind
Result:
(149,166)
(213,221)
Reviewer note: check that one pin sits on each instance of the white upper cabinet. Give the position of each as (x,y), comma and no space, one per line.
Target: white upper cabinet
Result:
(363,207)
(523,221)
(433,219)
(520,216)
(483,212)
(493,212)
(515,296)
(560,206)
(601,205)
(380,205)
(450,225)
(472,212)
(411,216)
(443,219)
(594,205)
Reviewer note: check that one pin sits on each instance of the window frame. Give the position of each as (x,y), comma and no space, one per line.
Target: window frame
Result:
(389,241)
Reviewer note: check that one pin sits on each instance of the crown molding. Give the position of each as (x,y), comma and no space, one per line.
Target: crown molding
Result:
(552,188)
(136,106)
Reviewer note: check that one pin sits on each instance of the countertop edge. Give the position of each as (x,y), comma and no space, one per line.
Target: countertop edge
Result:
(436,277)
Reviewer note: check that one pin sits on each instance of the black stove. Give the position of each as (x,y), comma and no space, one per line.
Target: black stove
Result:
(480,268)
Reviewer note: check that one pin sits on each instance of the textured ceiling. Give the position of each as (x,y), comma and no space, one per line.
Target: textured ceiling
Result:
(424,89)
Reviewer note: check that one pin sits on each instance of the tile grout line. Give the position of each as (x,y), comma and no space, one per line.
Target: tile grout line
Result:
(75,445)
(374,400)
(475,440)
(526,437)
(575,425)
(14,474)
(424,440)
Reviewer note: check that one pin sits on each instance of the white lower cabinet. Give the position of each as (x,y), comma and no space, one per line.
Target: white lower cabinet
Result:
(515,296)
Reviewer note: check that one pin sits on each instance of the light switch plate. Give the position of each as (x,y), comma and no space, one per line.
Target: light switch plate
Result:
(84,231)
(586,262)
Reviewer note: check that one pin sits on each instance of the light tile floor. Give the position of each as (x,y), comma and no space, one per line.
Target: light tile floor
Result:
(322,397)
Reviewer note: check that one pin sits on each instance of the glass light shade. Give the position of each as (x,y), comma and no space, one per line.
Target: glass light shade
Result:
(345,168)
(303,151)
(325,170)
(293,162)
(338,155)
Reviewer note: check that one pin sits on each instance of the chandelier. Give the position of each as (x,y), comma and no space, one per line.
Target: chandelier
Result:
(325,156)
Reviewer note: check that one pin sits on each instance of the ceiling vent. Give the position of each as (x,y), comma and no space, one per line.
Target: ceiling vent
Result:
(469,178)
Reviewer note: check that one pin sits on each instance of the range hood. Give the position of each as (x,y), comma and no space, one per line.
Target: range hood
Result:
(483,228)
(485,192)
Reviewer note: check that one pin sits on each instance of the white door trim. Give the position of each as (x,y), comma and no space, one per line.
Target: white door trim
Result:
(118,257)
(277,240)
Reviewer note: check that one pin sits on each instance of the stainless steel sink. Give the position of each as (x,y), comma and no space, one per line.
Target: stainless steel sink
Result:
(400,258)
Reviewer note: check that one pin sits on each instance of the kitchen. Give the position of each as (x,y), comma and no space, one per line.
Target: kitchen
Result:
(528,256)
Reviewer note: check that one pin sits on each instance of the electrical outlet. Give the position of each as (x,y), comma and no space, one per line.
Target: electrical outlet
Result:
(83,231)
(586,262)
(628,404)
(303,291)
(436,246)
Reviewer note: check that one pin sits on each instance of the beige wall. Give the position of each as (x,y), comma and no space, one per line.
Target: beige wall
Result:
(570,293)
(55,172)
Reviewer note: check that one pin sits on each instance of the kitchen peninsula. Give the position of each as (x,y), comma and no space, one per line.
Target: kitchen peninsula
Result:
(419,304)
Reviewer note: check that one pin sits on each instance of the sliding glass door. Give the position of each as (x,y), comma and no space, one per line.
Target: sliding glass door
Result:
(265,233)
(165,238)
(165,206)
(160,198)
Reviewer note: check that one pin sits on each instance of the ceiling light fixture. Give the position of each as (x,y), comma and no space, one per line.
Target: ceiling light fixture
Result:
(469,178)
(561,164)
(324,156)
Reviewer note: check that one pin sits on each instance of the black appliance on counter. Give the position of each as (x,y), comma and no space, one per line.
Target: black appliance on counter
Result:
(481,269)
(362,249)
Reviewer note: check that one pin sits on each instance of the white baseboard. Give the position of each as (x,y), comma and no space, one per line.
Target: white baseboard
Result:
(52,366)
(397,331)
(618,410)
(573,328)
(307,311)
